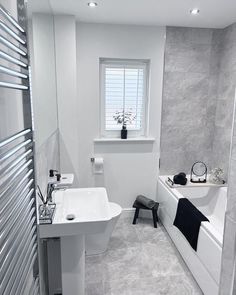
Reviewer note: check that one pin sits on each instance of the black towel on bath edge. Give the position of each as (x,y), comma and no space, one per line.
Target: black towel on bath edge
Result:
(188,220)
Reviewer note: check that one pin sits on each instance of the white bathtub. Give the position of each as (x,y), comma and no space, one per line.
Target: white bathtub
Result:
(205,263)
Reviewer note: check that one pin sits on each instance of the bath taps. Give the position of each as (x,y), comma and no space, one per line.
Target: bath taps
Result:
(170,181)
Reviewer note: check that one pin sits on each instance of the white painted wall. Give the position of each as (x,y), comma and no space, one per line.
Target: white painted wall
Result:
(129,168)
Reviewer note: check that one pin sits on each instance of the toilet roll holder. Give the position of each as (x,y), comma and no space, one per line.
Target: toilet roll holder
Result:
(92,160)
(97,164)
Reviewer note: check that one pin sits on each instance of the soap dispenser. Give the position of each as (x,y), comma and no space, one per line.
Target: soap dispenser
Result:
(52,172)
(58,176)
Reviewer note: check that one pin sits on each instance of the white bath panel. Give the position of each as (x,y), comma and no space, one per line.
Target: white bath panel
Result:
(209,253)
(199,271)
(205,264)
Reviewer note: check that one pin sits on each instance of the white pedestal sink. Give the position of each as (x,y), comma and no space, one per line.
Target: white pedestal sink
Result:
(78,212)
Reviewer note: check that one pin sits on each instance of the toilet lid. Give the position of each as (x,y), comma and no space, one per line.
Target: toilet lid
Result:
(115,209)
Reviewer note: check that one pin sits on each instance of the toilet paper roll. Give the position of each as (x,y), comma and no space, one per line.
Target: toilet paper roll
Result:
(98,166)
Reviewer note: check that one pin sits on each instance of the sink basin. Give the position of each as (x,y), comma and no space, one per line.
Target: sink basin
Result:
(78,211)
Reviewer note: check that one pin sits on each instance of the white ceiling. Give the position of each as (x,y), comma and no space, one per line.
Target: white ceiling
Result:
(213,13)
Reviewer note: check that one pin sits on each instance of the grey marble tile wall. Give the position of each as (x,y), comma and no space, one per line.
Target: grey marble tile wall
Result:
(197,116)
(189,95)
(224,42)
(228,274)
(198,97)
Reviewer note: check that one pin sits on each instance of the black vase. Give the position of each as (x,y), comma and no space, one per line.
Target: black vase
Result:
(123,133)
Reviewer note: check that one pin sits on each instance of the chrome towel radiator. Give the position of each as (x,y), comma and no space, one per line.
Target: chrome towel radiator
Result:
(18,220)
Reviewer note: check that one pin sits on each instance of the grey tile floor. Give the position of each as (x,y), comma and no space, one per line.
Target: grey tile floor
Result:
(141,260)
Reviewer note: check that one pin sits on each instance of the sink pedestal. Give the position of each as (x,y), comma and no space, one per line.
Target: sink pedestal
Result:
(91,212)
(73,264)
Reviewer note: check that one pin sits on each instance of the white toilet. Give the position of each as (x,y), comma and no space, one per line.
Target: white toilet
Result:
(98,243)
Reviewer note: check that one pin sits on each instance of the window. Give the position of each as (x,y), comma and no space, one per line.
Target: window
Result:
(123,93)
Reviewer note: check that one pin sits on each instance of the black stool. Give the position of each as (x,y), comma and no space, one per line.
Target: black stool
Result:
(139,206)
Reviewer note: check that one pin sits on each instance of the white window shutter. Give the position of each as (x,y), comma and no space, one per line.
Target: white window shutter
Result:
(124,90)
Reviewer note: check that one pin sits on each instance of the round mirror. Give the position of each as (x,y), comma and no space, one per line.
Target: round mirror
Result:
(199,169)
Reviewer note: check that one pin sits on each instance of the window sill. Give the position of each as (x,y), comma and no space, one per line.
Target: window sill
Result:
(128,140)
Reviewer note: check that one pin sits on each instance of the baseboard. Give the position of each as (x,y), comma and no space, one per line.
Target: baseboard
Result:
(129,213)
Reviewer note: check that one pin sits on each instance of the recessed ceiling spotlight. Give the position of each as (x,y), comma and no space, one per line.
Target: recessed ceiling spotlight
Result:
(92,4)
(194,11)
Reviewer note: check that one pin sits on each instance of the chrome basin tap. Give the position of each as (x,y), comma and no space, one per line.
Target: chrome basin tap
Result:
(49,192)
(53,187)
